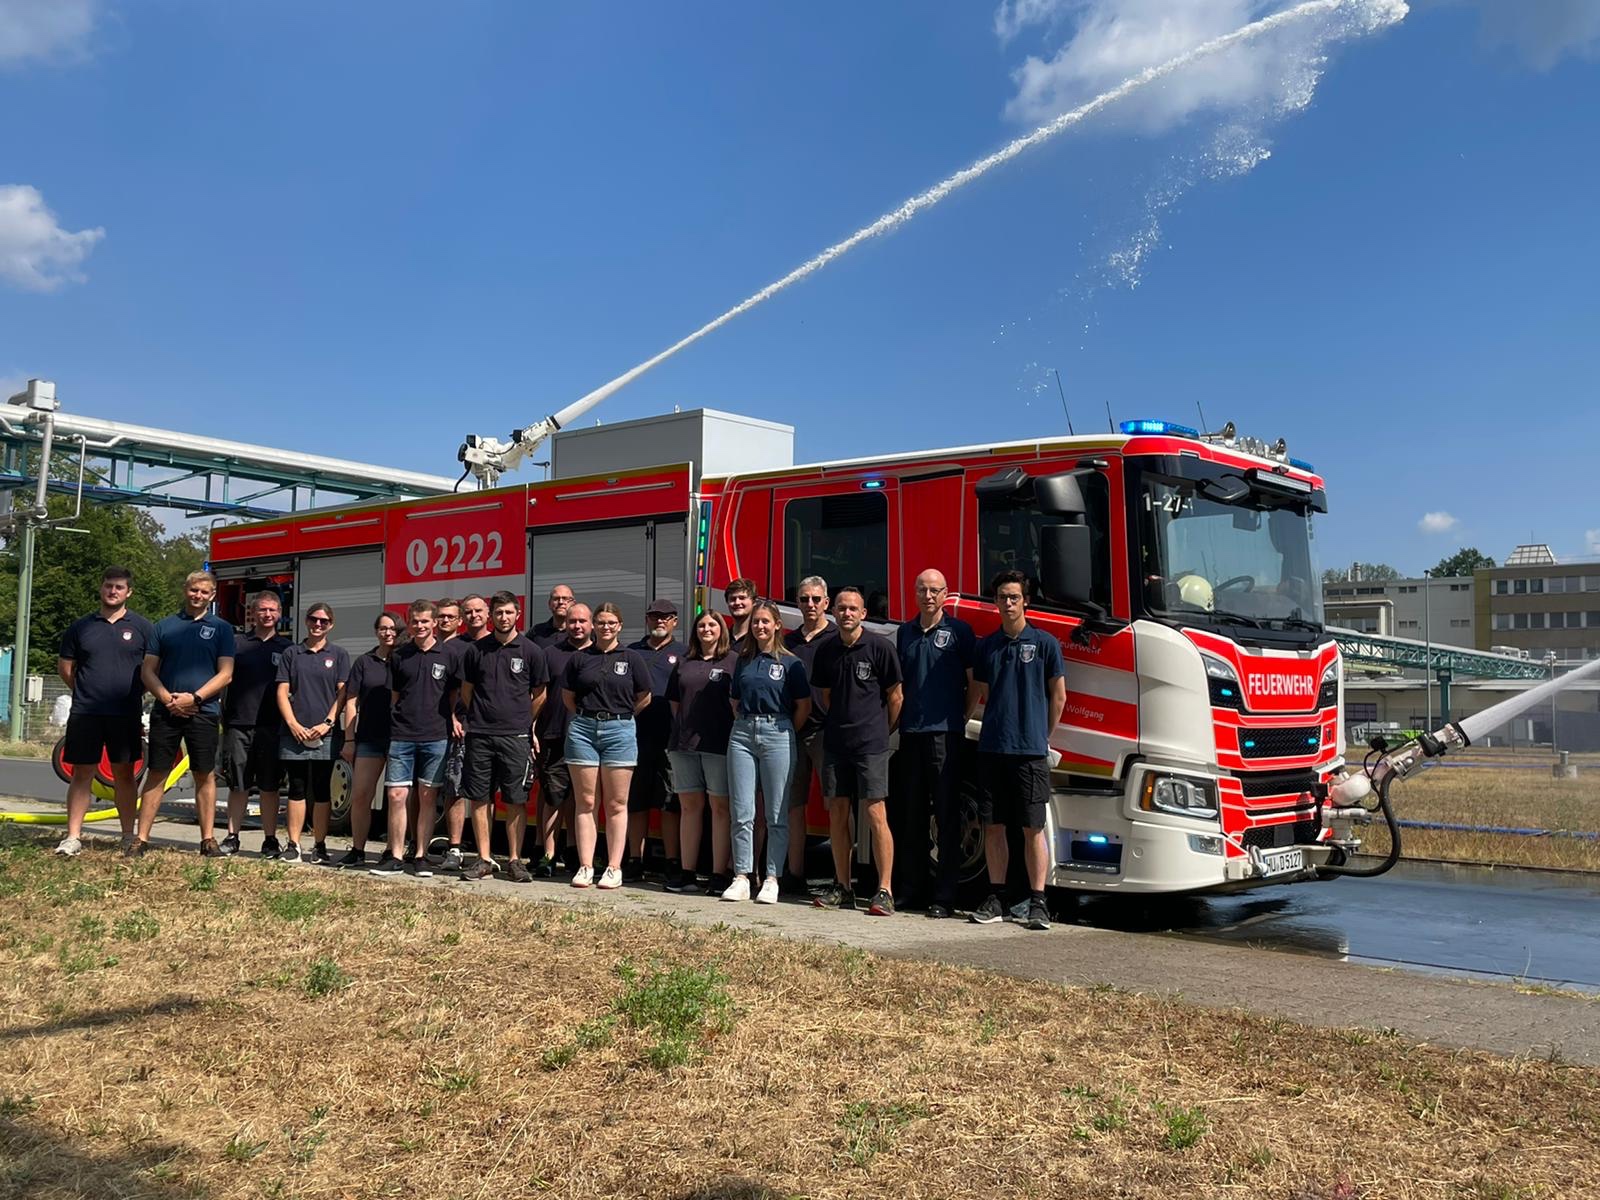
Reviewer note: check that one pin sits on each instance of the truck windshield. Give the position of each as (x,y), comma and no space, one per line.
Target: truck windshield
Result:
(1249,562)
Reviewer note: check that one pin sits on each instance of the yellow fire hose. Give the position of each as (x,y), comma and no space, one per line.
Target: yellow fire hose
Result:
(102,792)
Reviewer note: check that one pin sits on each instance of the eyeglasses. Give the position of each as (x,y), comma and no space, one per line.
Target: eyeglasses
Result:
(812,600)
(319,621)
(928,591)
(1008,599)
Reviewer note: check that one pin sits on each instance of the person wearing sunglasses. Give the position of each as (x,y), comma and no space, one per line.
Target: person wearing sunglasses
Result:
(813,632)
(366,731)
(311,683)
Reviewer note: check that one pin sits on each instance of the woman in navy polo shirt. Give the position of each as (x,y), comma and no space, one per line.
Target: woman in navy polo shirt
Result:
(772,696)
(366,731)
(604,685)
(701,693)
(311,680)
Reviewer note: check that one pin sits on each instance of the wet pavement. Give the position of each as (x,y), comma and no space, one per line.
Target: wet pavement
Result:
(1486,923)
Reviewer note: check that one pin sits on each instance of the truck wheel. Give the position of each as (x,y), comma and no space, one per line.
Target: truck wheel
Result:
(339,789)
(970,865)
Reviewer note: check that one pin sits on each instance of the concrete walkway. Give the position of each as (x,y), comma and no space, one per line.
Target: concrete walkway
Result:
(1304,988)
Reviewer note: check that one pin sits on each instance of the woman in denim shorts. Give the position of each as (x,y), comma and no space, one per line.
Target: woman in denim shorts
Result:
(773,696)
(366,732)
(700,692)
(604,685)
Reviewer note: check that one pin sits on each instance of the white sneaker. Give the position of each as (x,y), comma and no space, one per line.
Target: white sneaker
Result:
(69,847)
(739,889)
(769,891)
(610,878)
(583,877)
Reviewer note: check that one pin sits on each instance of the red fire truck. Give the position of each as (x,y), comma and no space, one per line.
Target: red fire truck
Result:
(1177,569)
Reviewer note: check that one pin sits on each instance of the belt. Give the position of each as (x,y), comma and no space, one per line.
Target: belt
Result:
(628,716)
(764,718)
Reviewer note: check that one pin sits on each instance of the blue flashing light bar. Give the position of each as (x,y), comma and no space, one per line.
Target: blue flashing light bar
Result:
(872,485)
(1301,464)
(1158,427)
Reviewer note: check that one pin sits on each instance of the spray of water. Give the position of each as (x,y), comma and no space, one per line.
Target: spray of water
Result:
(1367,15)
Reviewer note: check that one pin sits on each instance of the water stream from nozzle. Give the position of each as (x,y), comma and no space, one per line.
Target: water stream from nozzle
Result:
(1366,16)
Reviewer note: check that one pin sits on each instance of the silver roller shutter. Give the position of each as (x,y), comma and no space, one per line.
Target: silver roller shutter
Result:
(624,565)
(352,584)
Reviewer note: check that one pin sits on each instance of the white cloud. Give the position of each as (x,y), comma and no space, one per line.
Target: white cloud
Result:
(1540,32)
(36,254)
(1113,39)
(47,30)
(1437,522)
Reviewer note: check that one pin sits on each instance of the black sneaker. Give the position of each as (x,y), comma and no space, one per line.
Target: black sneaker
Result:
(352,858)
(230,844)
(990,912)
(938,911)
(270,847)
(137,848)
(793,885)
(388,864)
(484,868)
(450,860)
(882,904)
(319,855)
(420,868)
(835,896)
(632,870)
(518,873)
(1038,916)
(1018,912)
(291,852)
(546,868)
(682,882)
(718,884)
(210,849)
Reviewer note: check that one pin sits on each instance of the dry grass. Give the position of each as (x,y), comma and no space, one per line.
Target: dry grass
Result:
(1499,796)
(172,1029)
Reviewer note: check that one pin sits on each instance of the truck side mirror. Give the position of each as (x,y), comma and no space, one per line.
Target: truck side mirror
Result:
(1066,574)
(1060,494)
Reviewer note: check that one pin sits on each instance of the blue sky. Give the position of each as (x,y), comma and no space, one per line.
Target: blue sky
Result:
(368,229)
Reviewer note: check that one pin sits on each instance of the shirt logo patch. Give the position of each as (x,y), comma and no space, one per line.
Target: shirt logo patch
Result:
(1028,651)
(717,673)
(328,662)
(275,657)
(207,633)
(516,666)
(438,670)
(127,635)
(775,671)
(621,668)
(863,671)
(942,638)
(673,659)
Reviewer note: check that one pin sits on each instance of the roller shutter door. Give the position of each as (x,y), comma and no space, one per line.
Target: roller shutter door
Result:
(352,584)
(628,565)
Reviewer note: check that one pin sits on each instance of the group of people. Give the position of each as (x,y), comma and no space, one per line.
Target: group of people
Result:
(723,735)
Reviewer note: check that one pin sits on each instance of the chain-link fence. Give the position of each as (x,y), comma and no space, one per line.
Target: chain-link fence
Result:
(42,720)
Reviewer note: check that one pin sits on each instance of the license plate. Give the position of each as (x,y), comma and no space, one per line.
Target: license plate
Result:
(1282,862)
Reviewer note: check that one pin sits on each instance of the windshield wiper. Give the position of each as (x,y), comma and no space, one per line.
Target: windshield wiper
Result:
(1297,623)
(1224,615)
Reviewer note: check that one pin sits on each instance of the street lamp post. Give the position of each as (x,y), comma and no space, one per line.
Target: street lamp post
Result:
(1427,643)
(1550,661)
(40,398)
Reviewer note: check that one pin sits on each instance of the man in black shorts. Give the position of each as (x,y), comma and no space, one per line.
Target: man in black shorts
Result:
(651,787)
(550,731)
(858,674)
(189,663)
(251,721)
(804,641)
(503,687)
(1020,677)
(101,657)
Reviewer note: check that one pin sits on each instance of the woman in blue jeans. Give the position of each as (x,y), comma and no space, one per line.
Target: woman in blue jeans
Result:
(771,697)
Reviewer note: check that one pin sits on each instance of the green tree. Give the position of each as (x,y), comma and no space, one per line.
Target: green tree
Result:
(1376,572)
(67,567)
(1463,562)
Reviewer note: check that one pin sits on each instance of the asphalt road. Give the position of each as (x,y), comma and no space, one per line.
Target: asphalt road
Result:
(35,779)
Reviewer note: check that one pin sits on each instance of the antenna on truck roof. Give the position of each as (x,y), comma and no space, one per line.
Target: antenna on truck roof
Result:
(1110,424)
(1070,431)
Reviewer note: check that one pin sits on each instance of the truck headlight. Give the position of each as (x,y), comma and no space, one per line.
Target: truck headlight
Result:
(1184,795)
(1223,683)
(1328,693)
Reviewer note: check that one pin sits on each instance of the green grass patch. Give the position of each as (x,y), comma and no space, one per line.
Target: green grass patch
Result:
(202,877)
(871,1128)
(137,926)
(324,977)
(1185,1126)
(297,904)
(681,1007)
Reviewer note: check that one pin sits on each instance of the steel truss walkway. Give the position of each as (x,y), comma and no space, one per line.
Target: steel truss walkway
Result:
(1446,662)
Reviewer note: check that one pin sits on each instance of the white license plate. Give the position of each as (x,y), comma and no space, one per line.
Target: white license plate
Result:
(1282,862)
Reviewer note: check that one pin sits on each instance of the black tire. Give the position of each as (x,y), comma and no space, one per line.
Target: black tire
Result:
(972,868)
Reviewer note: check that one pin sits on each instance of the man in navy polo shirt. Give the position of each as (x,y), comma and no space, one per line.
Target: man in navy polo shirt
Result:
(189,663)
(1021,680)
(651,787)
(936,652)
(101,657)
(858,674)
